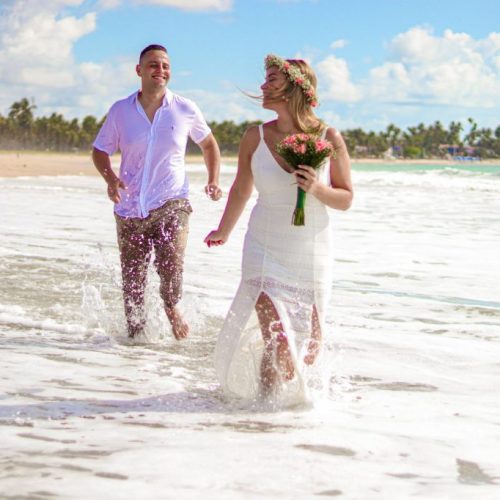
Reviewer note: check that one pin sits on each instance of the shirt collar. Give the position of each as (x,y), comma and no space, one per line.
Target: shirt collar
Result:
(167,98)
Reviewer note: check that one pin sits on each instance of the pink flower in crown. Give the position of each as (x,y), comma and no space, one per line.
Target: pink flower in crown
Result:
(294,75)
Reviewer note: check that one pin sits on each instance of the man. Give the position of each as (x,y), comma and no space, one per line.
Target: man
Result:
(151,128)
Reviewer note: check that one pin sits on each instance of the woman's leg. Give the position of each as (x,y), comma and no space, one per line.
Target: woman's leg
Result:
(315,341)
(276,360)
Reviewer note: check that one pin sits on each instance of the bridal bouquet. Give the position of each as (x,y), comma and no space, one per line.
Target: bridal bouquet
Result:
(303,149)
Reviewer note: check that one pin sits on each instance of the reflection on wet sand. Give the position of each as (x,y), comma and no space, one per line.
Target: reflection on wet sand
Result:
(471,473)
(329,450)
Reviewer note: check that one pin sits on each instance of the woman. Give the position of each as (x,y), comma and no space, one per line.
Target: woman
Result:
(286,269)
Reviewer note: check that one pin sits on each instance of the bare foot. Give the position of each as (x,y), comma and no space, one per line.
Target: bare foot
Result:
(285,363)
(180,328)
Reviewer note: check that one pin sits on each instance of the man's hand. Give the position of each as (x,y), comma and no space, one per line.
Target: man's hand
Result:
(213,191)
(113,189)
(103,164)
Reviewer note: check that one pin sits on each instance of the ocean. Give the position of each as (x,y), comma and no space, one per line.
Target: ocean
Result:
(413,406)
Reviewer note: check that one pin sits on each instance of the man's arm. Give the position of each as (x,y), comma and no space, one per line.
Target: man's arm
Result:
(240,191)
(211,155)
(103,164)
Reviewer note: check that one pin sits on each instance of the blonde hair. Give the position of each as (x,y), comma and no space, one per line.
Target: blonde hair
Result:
(298,104)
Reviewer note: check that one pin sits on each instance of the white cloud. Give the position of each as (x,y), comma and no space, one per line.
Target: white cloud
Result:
(422,69)
(36,46)
(335,81)
(108,4)
(36,59)
(220,5)
(452,69)
(338,44)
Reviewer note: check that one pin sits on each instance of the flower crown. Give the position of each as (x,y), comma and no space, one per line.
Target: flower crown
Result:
(294,75)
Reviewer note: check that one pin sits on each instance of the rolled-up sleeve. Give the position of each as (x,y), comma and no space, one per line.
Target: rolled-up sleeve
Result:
(199,128)
(107,139)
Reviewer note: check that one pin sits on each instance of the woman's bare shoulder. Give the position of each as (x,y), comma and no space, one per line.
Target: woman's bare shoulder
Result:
(250,138)
(252,132)
(334,135)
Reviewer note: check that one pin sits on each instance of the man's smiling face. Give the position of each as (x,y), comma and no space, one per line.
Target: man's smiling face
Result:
(154,69)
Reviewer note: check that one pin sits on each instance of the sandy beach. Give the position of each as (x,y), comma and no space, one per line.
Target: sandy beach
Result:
(32,164)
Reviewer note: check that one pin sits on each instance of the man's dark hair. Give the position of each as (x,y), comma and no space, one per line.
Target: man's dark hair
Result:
(152,47)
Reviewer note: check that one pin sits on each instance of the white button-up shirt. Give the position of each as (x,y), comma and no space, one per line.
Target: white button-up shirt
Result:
(152,154)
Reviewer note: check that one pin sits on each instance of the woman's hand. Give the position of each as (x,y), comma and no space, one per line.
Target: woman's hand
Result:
(215,238)
(306,178)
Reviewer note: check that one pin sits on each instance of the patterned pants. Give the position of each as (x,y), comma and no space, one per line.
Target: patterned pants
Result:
(165,230)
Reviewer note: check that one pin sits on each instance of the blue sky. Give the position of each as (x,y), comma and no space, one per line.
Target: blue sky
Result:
(378,62)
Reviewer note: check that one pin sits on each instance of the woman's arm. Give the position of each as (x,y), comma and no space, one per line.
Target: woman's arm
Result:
(339,195)
(240,191)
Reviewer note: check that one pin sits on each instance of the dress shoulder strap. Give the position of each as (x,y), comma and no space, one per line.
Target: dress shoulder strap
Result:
(323,134)
(261,132)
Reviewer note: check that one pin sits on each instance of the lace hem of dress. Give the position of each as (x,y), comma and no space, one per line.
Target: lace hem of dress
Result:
(295,294)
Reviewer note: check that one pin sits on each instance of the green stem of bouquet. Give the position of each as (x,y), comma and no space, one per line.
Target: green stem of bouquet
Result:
(298,218)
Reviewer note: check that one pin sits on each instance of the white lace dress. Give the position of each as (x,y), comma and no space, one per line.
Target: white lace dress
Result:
(292,265)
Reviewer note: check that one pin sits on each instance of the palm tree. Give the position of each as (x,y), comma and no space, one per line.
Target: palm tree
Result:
(21,118)
(393,137)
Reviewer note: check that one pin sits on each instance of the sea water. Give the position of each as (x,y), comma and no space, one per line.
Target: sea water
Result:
(413,407)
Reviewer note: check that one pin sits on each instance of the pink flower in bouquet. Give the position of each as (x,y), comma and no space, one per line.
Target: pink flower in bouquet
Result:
(321,145)
(300,149)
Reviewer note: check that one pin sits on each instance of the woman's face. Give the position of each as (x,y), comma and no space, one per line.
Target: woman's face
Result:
(272,88)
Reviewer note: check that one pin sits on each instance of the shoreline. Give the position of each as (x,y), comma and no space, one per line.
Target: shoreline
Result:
(32,164)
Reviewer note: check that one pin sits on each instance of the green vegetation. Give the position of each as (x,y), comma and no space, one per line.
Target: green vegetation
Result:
(433,141)
(21,130)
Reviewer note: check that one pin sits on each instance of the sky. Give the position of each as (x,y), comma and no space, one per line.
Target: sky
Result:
(378,62)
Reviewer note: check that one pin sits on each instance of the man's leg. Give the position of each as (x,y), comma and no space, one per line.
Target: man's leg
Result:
(135,253)
(170,239)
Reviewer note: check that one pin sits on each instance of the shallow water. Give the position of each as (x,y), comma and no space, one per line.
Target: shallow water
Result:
(413,408)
